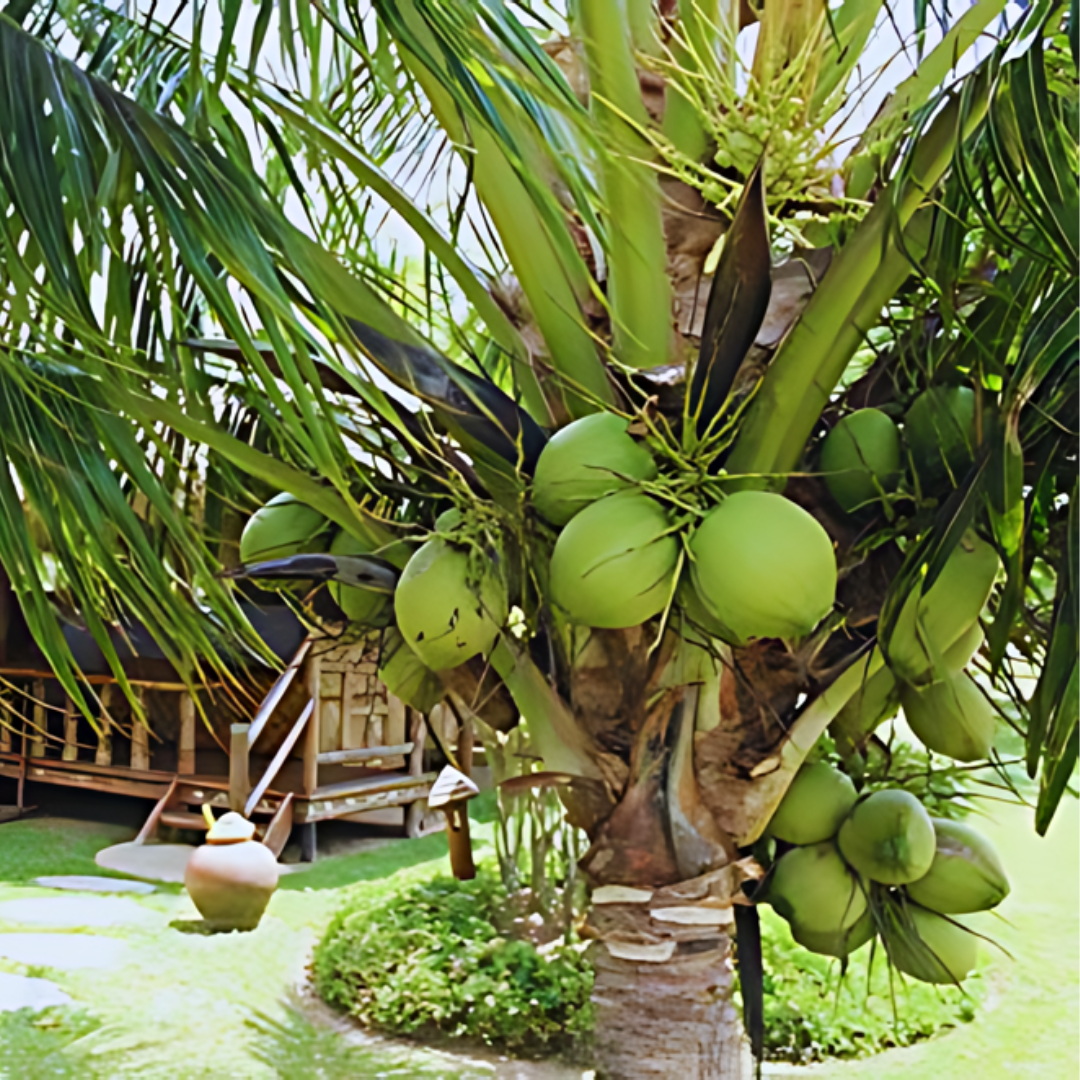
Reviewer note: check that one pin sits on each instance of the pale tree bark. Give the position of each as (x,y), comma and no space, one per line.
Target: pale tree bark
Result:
(677,1019)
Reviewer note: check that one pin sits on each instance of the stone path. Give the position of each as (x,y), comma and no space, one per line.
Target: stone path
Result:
(153,862)
(90,883)
(63,951)
(71,911)
(22,992)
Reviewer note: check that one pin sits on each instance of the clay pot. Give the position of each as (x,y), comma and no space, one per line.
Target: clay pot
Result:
(231,877)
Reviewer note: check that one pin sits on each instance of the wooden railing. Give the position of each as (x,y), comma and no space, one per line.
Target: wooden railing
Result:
(279,759)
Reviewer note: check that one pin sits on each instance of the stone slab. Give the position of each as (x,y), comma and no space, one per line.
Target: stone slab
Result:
(91,883)
(22,992)
(152,862)
(72,911)
(64,951)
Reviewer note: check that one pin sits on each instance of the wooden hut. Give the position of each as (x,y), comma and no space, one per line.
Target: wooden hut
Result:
(322,739)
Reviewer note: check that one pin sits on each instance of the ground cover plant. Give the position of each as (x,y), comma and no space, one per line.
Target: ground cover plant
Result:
(695,435)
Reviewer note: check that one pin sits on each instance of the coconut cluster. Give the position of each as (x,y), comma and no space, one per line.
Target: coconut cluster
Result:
(862,457)
(285,527)
(857,867)
(937,633)
(756,565)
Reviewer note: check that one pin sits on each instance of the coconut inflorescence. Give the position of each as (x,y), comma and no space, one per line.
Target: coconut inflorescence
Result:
(888,838)
(614,565)
(585,461)
(763,567)
(814,806)
(861,458)
(450,606)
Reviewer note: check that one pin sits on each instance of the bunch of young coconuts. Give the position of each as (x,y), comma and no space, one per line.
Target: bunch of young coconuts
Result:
(632,544)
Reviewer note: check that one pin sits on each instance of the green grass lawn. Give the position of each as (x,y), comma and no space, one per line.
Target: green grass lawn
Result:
(190,1006)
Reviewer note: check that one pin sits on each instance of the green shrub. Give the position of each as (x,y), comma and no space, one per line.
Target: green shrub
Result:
(812,1012)
(430,958)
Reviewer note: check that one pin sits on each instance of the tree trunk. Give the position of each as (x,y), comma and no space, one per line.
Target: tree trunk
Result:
(675,1019)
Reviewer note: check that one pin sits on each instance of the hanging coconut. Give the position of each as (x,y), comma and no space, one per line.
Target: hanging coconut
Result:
(929,625)
(613,565)
(941,436)
(958,655)
(585,461)
(951,717)
(814,806)
(699,623)
(861,458)
(283,527)
(406,676)
(838,943)
(966,874)
(359,605)
(876,700)
(932,949)
(812,887)
(763,567)
(449,607)
(889,838)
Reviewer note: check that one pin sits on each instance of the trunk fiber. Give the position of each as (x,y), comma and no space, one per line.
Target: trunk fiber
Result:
(675,1020)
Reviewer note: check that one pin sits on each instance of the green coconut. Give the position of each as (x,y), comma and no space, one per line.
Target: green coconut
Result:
(933,949)
(763,567)
(814,806)
(951,717)
(406,676)
(585,461)
(283,527)
(359,605)
(958,655)
(449,608)
(861,458)
(811,887)
(876,700)
(941,435)
(966,874)
(929,625)
(699,623)
(838,943)
(613,565)
(889,838)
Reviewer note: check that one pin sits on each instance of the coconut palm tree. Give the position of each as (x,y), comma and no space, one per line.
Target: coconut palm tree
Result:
(670,252)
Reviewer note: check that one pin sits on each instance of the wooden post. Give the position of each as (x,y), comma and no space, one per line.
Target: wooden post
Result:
(307,841)
(451,793)
(41,721)
(311,735)
(5,732)
(140,737)
(459,841)
(185,756)
(239,782)
(103,754)
(417,736)
(71,731)
(20,788)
